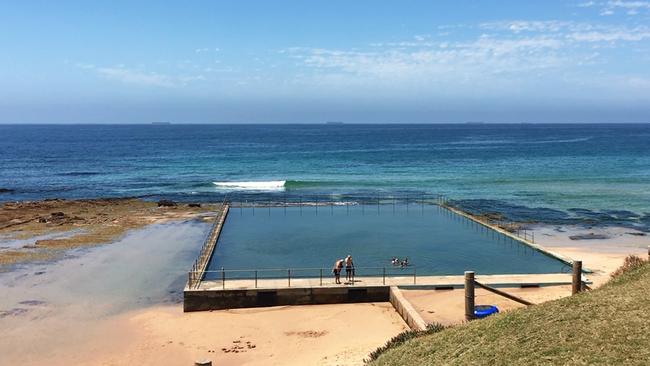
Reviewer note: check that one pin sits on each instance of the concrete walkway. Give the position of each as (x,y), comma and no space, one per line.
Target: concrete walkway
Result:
(515,280)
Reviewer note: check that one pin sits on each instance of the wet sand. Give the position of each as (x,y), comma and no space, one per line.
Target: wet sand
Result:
(602,256)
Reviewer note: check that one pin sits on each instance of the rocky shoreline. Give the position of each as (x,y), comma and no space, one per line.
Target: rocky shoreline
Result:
(45,229)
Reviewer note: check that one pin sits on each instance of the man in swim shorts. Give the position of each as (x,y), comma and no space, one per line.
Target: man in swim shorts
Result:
(349,268)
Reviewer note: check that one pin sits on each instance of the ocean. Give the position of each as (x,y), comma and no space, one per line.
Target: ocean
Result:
(597,173)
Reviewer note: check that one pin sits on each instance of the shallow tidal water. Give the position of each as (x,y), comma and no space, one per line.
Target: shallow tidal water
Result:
(145,267)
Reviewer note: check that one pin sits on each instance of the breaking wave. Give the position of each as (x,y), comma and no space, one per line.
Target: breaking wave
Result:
(272,185)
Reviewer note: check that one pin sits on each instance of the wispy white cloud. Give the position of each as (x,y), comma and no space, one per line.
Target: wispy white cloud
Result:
(517,52)
(613,6)
(129,76)
(207,49)
(140,77)
(520,26)
(572,31)
(630,35)
(442,62)
(586,4)
(629,4)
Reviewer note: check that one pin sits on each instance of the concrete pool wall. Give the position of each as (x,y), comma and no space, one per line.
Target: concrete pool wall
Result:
(436,240)
(211,294)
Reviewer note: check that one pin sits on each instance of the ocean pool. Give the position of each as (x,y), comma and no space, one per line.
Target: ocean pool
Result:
(435,240)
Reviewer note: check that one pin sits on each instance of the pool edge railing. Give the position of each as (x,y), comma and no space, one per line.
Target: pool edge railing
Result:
(321,200)
(201,262)
(498,228)
(288,274)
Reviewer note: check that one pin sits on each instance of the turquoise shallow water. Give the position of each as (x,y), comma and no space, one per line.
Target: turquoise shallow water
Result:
(595,173)
(436,242)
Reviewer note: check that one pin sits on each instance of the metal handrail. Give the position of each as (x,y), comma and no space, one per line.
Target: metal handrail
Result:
(291,273)
(316,200)
(410,266)
(200,263)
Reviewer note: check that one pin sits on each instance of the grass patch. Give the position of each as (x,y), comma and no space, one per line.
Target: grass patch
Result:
(403,337)
(607,326)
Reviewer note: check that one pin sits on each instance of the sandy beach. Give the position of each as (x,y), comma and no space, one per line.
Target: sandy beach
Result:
(119,305)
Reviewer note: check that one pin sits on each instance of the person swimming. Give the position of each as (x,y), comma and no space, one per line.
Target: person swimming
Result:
(394,261)
(405,262)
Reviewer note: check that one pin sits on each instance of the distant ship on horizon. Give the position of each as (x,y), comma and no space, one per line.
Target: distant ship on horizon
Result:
(334,123)
(161,123)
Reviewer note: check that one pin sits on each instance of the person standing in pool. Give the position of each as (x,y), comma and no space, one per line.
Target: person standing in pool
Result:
(349,268)
(338,265)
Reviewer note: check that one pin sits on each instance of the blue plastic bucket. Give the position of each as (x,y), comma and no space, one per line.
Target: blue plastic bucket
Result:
(481,311)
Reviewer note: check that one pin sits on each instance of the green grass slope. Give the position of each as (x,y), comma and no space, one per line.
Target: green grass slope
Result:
(607,326)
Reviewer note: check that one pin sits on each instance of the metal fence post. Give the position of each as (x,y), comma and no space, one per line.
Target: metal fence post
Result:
(384,278)
(289,277)
(321,277)
(414,275)
(469,295)
(255,278)
(223,279)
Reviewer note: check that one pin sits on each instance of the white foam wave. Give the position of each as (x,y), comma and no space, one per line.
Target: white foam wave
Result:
(273,185)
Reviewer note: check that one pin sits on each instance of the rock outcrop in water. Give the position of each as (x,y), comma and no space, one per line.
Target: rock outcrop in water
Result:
(166,203)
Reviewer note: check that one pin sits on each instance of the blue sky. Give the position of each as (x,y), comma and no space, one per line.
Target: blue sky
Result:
(315,61)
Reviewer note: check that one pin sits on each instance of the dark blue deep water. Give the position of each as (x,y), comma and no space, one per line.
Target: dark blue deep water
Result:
(595,172)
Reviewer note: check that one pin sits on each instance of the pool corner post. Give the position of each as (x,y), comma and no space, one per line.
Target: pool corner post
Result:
(469,295)
(576,282)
